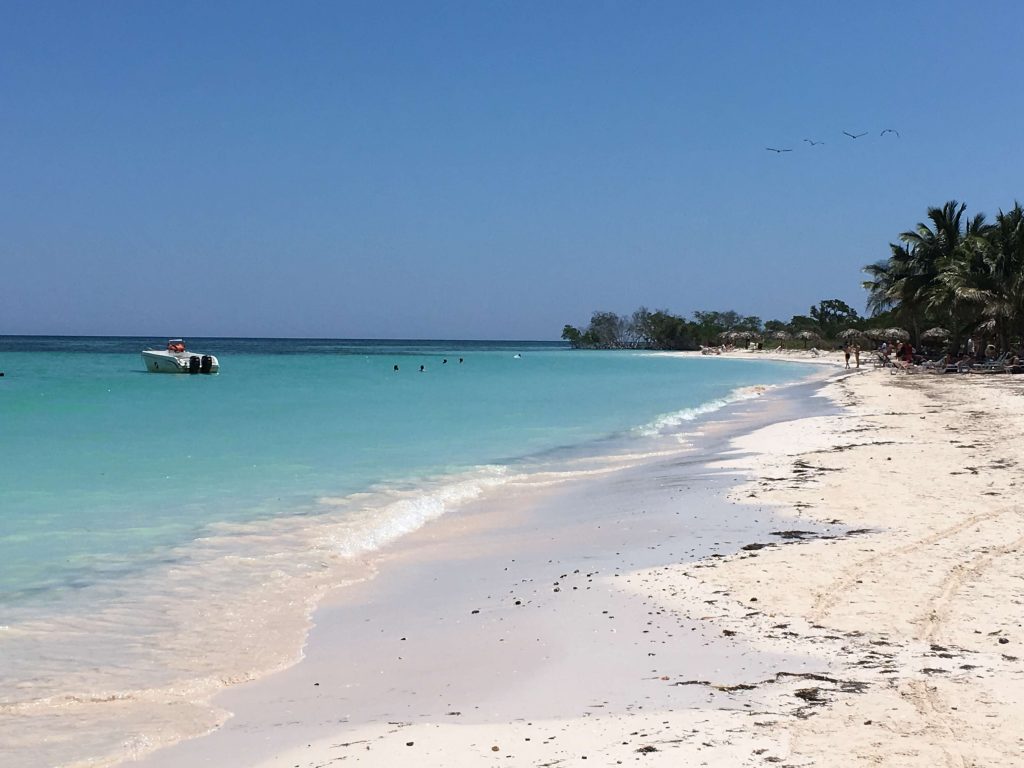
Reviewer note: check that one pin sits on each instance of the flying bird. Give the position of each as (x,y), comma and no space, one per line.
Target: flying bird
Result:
(814,143)
(855,135)
(773,149)
(890,130)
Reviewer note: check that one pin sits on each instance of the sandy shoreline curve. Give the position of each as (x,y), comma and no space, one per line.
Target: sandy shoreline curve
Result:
(854,599)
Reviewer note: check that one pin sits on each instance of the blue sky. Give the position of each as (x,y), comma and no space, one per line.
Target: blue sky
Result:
(479,169)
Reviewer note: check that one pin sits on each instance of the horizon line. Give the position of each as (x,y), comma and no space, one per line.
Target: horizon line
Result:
(275,338)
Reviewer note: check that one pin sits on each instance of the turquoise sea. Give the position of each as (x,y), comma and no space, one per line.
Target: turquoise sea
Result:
(163,534)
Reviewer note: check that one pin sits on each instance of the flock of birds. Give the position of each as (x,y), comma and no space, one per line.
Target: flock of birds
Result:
(814,143)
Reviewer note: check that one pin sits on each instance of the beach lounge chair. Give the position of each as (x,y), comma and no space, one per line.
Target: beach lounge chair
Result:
(904,365)
(941,366)
(991,366)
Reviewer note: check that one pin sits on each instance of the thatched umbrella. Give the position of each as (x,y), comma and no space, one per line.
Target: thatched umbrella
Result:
(876,333)
(738,336)
(806,335)
(936,333)
(750,336)
(897,333)
(851,333)
(779,336)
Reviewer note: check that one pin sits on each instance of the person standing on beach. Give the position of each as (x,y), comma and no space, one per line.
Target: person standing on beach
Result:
(846,353)
(856,354)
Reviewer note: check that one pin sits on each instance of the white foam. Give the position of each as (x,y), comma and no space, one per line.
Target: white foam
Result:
(383,518)
(665,423)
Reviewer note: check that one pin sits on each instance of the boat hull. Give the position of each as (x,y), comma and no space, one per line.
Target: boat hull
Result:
(161,361)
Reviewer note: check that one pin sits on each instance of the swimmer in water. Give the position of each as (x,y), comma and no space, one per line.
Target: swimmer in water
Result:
(396,369)
(423,369)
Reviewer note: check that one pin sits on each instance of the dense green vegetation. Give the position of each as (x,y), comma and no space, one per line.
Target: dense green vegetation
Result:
(965,276)
(945,280)
(662,330)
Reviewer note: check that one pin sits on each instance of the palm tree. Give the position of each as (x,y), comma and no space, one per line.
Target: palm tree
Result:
(966,275)
(899,284)
(945,248)
(1001,294)
(881,297)
(965,287)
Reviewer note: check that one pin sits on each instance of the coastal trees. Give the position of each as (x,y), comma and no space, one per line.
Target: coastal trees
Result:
(961,273)
(661,329)
(907,283)
(710,326)
(937,254)
(607,330)
(642,330)
(964,274)
(881,287)
(1000,291)
(1007,262)
(639,331)
(799,323)
(667,331)
(902,289)
(832,315)
(572,334)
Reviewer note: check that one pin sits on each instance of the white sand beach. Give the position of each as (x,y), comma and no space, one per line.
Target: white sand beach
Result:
(841,586)
(454,385)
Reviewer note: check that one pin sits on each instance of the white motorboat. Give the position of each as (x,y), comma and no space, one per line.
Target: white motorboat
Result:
(175,359)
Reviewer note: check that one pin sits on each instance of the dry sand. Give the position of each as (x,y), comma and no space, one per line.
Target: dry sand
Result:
(920,614)
(870,611)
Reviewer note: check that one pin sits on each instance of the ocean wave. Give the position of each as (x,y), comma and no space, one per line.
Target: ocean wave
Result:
(666,422)
(371,521)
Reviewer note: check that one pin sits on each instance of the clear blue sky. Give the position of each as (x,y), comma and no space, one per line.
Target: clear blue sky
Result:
(480,169)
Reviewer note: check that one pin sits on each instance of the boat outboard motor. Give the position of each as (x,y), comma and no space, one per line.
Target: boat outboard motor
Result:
(206,365)
(194,363)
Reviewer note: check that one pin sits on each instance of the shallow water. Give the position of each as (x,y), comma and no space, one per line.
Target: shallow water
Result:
(160,534)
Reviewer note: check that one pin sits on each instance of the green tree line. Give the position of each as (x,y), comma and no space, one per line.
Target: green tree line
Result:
(663,330)
(952,277)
